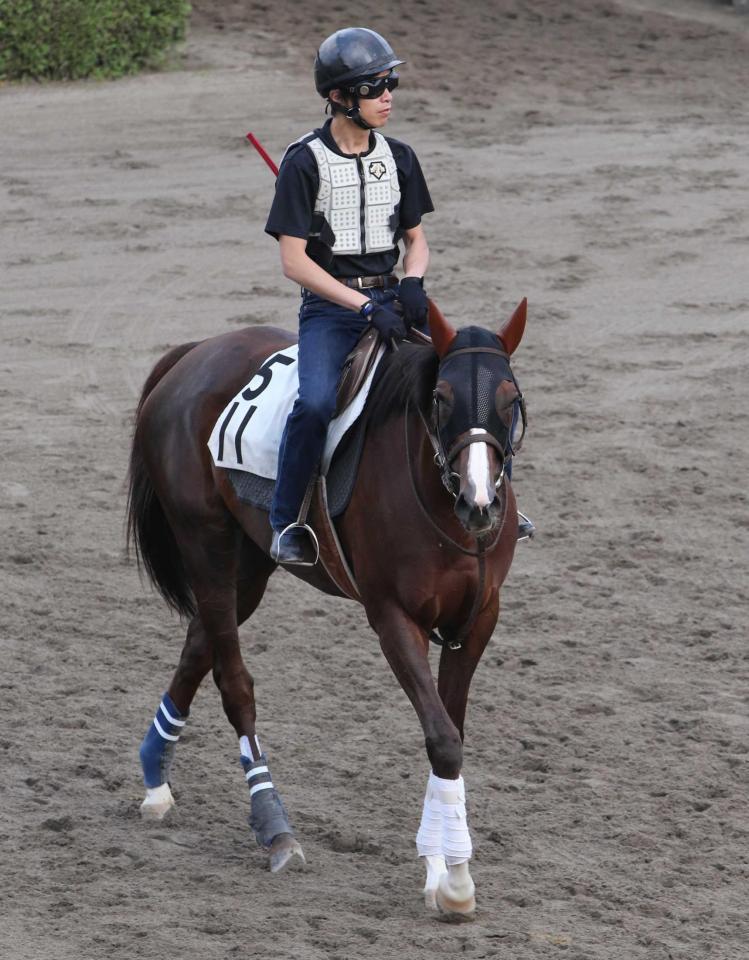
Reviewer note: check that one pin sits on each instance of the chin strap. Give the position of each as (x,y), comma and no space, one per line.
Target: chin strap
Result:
(353,114)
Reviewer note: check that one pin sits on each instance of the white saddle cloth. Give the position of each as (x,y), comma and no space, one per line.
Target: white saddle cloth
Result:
(247,435)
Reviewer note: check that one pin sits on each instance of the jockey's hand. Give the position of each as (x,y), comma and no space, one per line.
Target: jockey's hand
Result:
(388,323)
(414,301)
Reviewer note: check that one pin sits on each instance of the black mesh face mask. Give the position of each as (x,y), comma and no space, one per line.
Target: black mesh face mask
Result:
(468,397)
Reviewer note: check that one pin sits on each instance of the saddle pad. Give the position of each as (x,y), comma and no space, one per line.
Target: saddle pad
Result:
(247,435)
(258,491)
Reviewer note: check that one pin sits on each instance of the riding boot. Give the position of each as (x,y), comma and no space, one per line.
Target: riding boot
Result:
(288,546)
(526,527)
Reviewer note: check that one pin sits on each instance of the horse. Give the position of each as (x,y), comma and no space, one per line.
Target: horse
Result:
(429,533)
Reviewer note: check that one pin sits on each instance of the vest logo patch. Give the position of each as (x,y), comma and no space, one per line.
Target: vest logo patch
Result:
(377,169)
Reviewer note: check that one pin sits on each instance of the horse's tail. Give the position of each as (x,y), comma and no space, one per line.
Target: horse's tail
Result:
(147,526)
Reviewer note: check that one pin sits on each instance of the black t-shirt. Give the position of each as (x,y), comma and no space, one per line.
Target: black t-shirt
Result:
(296,192)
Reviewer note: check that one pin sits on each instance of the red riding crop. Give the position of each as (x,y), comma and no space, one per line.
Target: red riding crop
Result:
(263,153)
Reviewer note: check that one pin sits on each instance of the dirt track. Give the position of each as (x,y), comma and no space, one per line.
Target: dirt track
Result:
(596,161)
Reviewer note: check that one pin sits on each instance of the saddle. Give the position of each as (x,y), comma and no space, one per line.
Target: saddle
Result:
(359,363)
(356,369)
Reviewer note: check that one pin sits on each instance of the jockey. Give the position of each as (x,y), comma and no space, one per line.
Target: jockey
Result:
(345,196)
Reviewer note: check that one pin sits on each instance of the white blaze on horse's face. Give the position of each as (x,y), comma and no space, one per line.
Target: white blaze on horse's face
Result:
(479,467)
(479,474)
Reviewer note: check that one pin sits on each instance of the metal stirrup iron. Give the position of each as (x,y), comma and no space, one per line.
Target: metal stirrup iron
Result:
(301,522)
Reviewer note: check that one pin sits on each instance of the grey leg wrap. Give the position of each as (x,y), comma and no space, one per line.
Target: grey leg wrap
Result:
(268,818)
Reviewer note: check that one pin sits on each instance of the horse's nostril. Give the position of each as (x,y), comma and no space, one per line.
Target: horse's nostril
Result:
(475,519)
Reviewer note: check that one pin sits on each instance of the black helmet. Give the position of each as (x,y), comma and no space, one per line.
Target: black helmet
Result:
(351,53)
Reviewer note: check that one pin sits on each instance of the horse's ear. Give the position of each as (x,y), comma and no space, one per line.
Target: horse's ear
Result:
(441,331)
(512,332)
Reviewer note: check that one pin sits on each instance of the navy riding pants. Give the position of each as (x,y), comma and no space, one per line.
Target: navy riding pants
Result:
(327,334)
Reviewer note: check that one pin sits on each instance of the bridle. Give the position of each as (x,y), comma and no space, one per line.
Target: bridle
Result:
(451,480)
(443,458)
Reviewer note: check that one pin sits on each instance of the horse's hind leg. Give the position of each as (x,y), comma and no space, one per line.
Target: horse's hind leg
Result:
(213,567)
(159,745)
(212,641)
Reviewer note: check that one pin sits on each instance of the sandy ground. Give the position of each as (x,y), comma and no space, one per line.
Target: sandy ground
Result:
(589,155)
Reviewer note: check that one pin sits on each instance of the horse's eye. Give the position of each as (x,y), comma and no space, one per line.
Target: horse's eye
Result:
(511,415)
(443,394)
(504,409)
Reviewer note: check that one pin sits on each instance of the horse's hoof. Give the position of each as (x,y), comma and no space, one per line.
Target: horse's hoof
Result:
(455,895)
(285,851)
(159,801)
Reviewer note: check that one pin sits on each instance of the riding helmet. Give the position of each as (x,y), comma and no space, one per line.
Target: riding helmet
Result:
(349,54)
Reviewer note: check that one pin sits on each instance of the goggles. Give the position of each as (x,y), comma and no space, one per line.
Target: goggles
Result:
(370,88)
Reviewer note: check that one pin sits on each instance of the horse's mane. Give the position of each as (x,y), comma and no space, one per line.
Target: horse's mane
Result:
(406,374)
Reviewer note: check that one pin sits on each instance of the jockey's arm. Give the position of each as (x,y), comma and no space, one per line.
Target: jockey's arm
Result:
(300,268)
(416,260)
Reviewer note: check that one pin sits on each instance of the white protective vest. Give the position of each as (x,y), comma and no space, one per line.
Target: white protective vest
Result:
(343,183)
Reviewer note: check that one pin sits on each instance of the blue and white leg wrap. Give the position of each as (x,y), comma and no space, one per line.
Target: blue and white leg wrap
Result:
(157,749)
(268,818)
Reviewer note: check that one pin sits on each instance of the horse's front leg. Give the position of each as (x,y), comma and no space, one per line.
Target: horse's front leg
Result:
(443,838)
(457,667)
(447,880)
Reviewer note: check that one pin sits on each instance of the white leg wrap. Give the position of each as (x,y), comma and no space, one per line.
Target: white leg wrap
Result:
(456,840)
(429,837)
(444,825)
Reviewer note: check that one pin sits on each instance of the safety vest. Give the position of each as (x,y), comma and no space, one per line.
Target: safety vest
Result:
(358,198)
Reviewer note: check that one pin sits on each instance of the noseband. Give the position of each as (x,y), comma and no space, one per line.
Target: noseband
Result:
(443,459)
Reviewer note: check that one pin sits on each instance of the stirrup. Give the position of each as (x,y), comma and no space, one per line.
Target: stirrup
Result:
(526,527)
(298,528)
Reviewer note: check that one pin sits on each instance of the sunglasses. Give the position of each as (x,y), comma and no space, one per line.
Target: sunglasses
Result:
(373,87)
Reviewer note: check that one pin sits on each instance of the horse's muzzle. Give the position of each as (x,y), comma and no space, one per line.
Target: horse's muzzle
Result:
(480,470)
(477,519)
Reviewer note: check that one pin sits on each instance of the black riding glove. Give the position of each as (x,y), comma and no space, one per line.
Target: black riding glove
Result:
(389,324)
(414,301)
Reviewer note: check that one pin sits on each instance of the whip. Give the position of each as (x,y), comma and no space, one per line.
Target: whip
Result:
(263,152)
